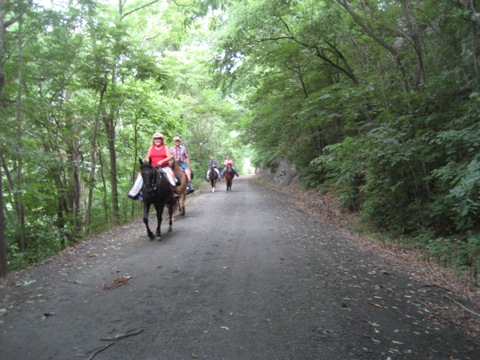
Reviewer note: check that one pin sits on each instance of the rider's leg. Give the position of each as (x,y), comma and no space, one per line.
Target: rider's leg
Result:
(188,172)
(171,180)
(208,175)
(235,171)
(190,188)
(137,186)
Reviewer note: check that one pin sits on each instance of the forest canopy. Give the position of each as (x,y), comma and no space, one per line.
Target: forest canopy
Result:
(374,101)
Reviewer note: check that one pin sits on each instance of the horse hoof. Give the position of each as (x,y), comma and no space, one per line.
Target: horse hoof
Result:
(151,237)
(159,238)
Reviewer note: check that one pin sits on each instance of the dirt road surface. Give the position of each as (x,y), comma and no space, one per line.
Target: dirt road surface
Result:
(243,276)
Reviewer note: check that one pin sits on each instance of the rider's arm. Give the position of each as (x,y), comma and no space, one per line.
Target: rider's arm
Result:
(148,154)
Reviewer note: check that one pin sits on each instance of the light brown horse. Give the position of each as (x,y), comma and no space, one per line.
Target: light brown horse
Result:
(182,187)
(228,176)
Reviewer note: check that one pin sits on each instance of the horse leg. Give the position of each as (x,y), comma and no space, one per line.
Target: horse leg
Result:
(181,204)
(146,207)
(159,208)
(171,210)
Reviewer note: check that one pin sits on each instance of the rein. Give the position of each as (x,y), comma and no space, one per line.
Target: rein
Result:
(155,178)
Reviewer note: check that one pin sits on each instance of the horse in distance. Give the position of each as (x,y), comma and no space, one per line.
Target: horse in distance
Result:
(213,177)
(228,176)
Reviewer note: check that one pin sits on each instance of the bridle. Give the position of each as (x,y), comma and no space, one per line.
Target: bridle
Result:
(152,176)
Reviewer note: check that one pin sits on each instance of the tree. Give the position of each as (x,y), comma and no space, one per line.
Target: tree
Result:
(9,15)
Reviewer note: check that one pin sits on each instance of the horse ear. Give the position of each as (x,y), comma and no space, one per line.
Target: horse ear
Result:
(150,161)
(141,161)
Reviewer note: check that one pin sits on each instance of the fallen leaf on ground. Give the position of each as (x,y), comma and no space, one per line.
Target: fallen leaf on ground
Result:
(117,282)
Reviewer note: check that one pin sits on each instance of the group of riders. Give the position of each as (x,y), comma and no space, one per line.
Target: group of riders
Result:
(162,156)
(213,164)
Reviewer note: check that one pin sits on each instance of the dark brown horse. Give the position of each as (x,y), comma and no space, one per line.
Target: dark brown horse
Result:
(213,177)
(228,176)
(182,187)
(156,190)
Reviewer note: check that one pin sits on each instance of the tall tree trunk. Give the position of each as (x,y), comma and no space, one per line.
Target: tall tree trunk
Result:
(414,38)
(72,179)
(75,190)
(16,202)
(18,194)
(109,122)
(4,24)
(3,235)
(104,183)
(91,179)
(371,33)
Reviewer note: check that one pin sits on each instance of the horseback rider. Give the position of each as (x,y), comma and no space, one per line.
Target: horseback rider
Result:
(160,156)
(180,153)
(227,162)
(212,164)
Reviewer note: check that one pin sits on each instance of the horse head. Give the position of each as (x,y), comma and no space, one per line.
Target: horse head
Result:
(149,175)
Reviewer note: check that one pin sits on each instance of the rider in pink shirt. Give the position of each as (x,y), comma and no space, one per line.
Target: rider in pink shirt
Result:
(159,154)
(226,162)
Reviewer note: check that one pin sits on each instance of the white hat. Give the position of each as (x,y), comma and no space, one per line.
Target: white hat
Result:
(158,135)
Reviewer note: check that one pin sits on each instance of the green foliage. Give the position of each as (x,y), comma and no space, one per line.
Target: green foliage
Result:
(341,168)
(95,85)
(462,253)
(377,101)
(44,241)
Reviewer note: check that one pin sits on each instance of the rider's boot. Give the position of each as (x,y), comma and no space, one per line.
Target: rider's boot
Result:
(190,188)
(137,186)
